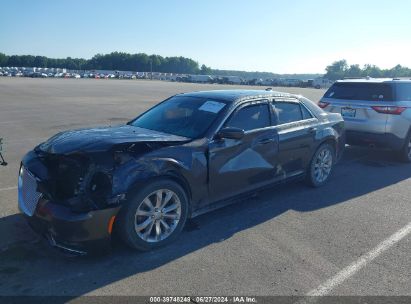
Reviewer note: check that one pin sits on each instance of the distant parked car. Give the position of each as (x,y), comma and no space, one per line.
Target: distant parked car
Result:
(201,78)
(233,80)
(377,112)
(189,154)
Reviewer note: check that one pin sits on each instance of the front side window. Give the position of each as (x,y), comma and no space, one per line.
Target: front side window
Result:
(250,118)
(181,115)
(288,112)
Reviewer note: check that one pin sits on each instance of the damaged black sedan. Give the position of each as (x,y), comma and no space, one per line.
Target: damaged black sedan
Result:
(189,154)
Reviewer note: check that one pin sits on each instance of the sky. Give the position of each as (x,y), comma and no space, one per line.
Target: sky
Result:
(261,35)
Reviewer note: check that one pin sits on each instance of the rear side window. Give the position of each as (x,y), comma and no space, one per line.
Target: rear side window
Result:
(288,112)
(360,91)
(403,91)
(306,113)
(250,118)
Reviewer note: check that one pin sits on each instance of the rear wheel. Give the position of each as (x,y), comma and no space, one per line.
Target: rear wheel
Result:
(405,152)
(154,216)
(321,166)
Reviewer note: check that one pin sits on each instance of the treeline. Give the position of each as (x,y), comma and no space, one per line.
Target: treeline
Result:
(141,62)
(262,75)
(136,62)
(340,70)
(114,61)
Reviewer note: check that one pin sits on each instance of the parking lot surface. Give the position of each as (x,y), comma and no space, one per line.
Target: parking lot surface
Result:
(350,237)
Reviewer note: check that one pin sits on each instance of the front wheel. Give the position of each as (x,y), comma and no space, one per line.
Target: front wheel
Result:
(321,166)
(154,216)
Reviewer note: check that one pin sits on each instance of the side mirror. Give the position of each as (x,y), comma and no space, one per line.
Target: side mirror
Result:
(231,133)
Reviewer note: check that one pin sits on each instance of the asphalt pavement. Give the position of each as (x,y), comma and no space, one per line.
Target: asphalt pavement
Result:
(350,237)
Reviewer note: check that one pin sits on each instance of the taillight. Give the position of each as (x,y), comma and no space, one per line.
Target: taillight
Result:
(389,110)
(323,104)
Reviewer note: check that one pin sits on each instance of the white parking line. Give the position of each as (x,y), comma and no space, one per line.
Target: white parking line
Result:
(325,288)
(9,121)
(8,188)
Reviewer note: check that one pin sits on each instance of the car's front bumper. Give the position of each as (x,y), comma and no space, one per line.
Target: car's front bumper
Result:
(79,234)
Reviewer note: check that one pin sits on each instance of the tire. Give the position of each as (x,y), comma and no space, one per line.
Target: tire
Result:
(138,222)
(405,152)
(321,166)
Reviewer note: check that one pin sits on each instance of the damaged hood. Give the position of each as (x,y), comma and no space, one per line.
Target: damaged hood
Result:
(102,139)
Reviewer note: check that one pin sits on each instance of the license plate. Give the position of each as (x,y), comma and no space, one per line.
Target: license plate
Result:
(348,112)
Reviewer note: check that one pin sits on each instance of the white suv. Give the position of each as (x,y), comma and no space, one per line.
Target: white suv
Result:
(377,112)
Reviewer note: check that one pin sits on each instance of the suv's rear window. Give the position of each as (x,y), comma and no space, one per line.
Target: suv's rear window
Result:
(403,91)
(360,91)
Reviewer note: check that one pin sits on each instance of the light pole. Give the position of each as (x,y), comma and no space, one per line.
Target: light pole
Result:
(151,69)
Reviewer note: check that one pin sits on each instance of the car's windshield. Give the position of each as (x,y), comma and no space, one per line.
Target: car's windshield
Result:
(181,115)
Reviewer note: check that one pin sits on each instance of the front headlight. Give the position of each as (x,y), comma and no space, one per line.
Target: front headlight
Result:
(121,158)
(99,188)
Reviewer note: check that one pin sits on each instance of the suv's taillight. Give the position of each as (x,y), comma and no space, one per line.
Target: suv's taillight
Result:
(389,110)
(323,104)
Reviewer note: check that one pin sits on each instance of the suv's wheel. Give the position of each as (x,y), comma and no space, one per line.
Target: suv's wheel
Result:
(154,216)
(321,166)
(405,152)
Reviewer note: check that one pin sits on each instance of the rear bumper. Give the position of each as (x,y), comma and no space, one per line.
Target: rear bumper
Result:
(384,140)
(78,234)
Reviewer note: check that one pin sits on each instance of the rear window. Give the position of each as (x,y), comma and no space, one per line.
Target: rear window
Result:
(403,91)
(360,91)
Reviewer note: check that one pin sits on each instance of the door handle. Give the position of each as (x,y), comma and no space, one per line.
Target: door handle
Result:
(266,141)
(312,130)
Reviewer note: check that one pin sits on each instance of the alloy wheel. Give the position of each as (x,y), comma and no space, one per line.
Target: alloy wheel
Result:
(157,215)
(323,165)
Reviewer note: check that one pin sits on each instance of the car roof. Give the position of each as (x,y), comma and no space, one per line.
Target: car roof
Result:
(234,96)
(375,80)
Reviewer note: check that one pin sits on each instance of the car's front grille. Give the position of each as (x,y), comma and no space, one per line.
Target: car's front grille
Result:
(28,195)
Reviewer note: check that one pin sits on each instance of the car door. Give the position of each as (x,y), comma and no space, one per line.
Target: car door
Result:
(297,128)
(239,165)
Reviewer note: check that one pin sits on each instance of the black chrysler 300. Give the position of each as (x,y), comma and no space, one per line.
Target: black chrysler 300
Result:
(187,155)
